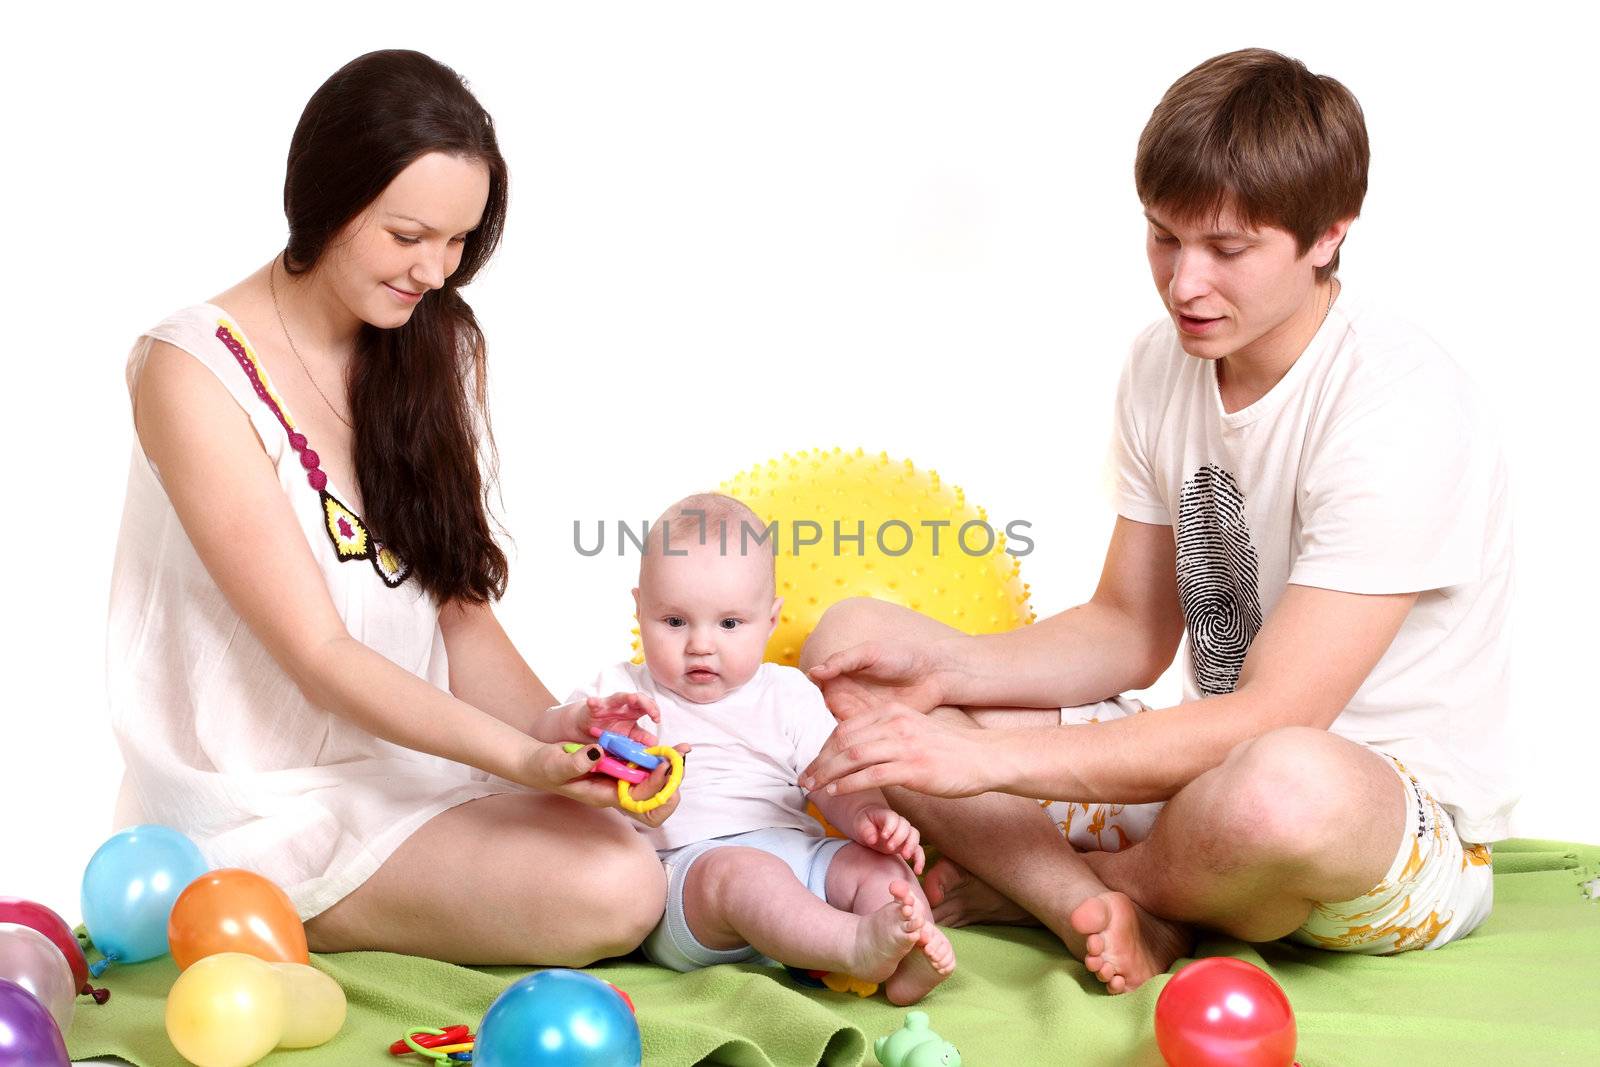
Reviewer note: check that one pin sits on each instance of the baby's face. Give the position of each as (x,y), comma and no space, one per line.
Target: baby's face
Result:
(704,618)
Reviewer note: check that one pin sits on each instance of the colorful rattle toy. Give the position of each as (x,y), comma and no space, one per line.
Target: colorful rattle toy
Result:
(914,1045)
(453,1044)
(630,763)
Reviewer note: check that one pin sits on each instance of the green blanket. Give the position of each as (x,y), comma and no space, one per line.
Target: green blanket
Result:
(1524,988)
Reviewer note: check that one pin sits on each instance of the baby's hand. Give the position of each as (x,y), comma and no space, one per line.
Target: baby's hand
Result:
(653,785)
(619,713)
(885,830)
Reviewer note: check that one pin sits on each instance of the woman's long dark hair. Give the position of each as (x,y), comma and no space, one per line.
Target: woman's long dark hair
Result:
(415,391)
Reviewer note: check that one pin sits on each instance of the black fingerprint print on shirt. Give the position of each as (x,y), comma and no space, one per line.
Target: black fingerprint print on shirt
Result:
(1216,578)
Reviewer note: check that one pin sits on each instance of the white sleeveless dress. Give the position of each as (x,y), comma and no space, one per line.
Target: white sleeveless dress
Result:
(219,742)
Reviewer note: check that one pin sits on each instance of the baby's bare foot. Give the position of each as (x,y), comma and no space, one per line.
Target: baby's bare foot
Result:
(883,937)
(932,962)
(1126,945)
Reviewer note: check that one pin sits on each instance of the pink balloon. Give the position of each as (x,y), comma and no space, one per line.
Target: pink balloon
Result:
(53,926)
(1223,1012)
(29,959)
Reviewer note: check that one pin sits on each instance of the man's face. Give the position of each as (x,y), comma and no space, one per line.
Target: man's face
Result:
(1230,290)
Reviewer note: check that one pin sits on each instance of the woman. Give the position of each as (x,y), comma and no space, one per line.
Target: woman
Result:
(305,673)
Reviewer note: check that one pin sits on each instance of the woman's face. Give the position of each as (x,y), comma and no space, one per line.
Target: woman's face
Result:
(408,240)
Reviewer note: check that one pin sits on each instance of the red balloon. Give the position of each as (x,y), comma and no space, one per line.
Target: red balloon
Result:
(51,925)
(1223,1012)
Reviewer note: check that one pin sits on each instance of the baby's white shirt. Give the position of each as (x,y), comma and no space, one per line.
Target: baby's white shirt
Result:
(749,750)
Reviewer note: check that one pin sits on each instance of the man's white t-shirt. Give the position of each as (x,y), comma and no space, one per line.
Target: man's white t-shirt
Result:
(1367,469)
(749,750)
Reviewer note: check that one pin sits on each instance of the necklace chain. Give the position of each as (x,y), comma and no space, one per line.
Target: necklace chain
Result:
(272,283)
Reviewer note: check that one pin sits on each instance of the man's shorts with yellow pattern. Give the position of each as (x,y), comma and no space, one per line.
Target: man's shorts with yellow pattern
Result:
(1437,889)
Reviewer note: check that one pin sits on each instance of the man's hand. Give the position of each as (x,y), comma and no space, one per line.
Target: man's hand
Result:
(885,830)
(899,745)
(874,674)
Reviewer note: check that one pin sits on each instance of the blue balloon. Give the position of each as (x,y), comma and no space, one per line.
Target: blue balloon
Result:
(129,888)
(558,1017)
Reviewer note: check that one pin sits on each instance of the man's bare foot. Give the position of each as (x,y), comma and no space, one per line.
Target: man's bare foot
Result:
(959,899)
(1126,945)
(885,936)
(933,960)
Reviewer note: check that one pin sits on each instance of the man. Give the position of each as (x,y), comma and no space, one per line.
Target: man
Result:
(1304,490)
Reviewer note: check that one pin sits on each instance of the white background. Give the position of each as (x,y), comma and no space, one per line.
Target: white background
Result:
(739,229)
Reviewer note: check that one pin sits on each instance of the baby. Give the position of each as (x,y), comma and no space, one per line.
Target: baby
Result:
(749,873)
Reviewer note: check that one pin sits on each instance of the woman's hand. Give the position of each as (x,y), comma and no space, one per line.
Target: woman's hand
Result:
(551,768)
(899,745)
(571,774)
(870,676)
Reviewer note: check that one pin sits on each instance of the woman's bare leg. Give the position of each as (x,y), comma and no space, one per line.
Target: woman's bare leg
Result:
(516,878)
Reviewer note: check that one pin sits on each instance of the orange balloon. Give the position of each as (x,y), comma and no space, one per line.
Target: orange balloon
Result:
(230,910)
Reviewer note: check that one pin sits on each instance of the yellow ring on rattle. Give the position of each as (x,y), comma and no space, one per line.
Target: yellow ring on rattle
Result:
(644,807)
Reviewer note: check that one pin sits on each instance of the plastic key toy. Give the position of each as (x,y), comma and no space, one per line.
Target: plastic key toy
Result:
(453,1043)
(630,763)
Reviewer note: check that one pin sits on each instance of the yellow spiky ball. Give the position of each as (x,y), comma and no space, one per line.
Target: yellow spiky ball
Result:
(966,580)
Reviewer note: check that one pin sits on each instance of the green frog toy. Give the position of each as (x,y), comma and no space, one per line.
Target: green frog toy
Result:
(914,1045)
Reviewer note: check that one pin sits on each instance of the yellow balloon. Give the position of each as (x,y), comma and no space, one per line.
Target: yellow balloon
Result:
(226,1010)
(314,1006)
(902,535)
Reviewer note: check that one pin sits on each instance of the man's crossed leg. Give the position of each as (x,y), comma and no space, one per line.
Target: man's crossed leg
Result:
(1253,847)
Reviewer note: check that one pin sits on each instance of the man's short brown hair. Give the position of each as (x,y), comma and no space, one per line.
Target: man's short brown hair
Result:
(1256,131)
